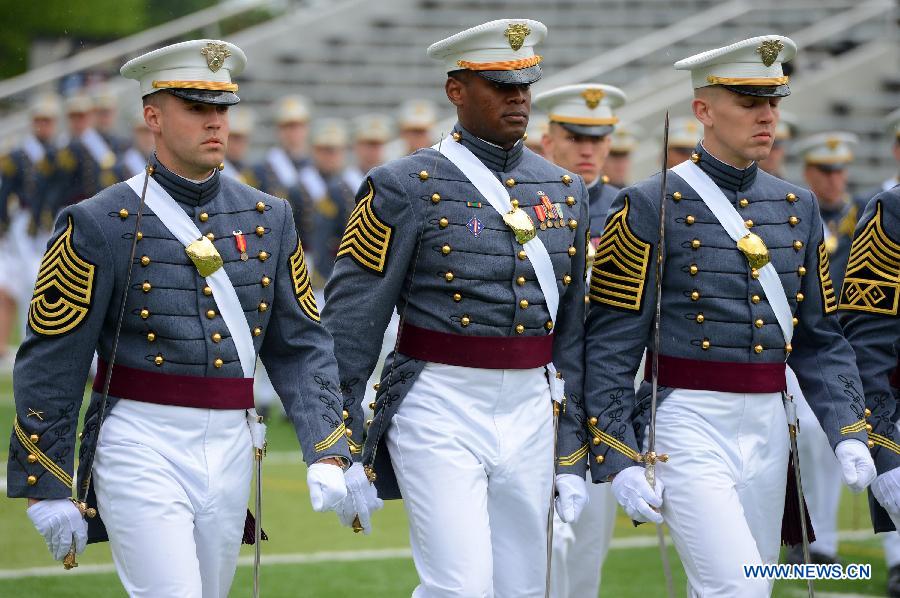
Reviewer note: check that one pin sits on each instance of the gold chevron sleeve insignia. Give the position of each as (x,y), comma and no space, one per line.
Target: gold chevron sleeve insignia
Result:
(40,457)
(367,238)
(620,265)
(873,271)
(829,300)
(62,293)
(302,287)
(574,458)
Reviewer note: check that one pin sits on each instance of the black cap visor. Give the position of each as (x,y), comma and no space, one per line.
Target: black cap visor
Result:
(206,96)
(587,130)
(761,91)
(525,76)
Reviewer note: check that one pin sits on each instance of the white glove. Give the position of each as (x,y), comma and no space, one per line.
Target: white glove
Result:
(633,492)
(857,466)
(886,490)
(571,496)
(59,521)
(326,486)
(361,501)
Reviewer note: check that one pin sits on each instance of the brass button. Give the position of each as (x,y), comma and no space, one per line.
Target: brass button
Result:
(123,213)
(158,360)
(260,231)
(695,157)
(800,297)
(204,217)
(465,321)
(754,273)
(257,331)
(690,220)
(520,329)
(32,458)
(567,280)
(32,480)
(567,180)
(867,412)
(263,256)
(216,337)
(266,281)
(570,201)
(520,281)
(705,344)
(795,321)
(600,459)
(372,405)
(368,422)
(146,286)
(210,236)
(448,276)
(260,207)
(593,421)
(456,136)
(793,221)
(34,438)
(345,414)
(548,324)
(801,271)
(677,196)
(423,175)
(791,197)
(443,223)
(140,235)
(596,440)
(514,203)
(523,304)
(748,223)
(572,250)
(755,299)
(758,349)
(376,387)
(522,255)
(758,323)
(263,306)
(695,244)
(145,260)
(695,295)
(798,245)
(210,313)
(145,313)
(700,318)
(693,269)
(207,291)
(869,428)
(435,197)
(870,444)
(151,336)
(573,224)
(218,362)
(744,202)
(788,348)
(605,179)
(446,250)
(348,432)
(457,297)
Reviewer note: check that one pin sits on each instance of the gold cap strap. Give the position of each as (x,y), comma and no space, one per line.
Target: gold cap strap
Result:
(205,85)
(504,65)
(583,120)
(712,79)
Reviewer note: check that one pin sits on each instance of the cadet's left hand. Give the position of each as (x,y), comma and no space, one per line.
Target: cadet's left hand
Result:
(571,496)
(326,486)
(857,466)
(362,499)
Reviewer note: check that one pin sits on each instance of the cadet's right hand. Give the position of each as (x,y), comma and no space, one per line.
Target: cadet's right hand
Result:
(59,521)
(886,490)
(362,499)
(633,492)
(326,486)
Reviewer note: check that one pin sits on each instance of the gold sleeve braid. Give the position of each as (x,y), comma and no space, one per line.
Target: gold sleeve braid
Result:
(574,458)
(48,464)
(367,238)
(829,300)
(302,287)
(620,265)
(873,271)
(62,293)
(331,439)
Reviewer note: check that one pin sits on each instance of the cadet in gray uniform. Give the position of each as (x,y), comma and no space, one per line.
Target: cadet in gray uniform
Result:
(463,424)
(173,460)
(746,287)
(578,139)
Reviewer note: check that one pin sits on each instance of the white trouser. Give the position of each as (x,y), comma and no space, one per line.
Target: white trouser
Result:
(724,485)
(820,472)
(580,549)
(891,541)
(172,488)
(473,453)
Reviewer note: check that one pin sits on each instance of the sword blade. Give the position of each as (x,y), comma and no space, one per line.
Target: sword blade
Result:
(257,532)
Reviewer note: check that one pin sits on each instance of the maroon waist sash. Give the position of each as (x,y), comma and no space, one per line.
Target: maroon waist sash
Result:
(721,376)
(489,352)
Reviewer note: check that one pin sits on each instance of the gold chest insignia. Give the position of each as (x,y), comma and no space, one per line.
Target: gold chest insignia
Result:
(754,249)
(516,34)
(215,55)
(205,256)
(592,97)
(521,224)
(768,51)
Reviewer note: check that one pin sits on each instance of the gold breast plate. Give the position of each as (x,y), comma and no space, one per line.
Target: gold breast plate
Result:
(754,249)
(204,255)
(521,224)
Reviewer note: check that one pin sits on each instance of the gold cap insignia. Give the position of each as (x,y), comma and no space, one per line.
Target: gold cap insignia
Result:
(832,143)
(516,34)
(769,50)
(215,55)
(592,97)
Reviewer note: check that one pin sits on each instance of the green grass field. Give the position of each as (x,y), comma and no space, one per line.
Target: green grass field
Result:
(311,555)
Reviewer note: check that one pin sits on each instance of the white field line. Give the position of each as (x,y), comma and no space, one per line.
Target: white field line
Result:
(353,556)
